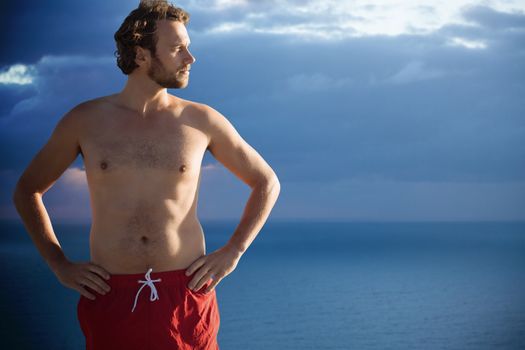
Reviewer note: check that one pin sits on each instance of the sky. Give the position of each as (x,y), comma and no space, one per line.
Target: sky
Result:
(366,110)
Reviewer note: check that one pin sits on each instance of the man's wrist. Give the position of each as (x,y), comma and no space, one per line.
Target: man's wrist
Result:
(57,263)
(238,249)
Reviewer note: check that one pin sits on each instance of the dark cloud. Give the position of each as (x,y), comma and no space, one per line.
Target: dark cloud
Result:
(33,111)
(461,124)
(503,32)
(11,95)
(411,108)
(35,28)
(493,19)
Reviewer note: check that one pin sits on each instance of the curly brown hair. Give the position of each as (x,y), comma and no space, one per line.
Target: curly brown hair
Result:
(139,28)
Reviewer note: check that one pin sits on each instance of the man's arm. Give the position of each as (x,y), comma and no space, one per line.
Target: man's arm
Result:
(43,171)
(229,148)
(45,168)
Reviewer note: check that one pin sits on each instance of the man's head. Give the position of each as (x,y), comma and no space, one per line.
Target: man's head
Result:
(153,40)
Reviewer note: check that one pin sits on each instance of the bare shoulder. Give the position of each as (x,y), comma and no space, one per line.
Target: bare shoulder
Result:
(194,108)
(208,119)
(93,104)
(82,109)
(81,116)
(70,121)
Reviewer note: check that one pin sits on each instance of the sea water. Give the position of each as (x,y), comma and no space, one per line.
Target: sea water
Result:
(313,285)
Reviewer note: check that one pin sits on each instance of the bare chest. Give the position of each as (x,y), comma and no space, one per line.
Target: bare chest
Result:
(122,146)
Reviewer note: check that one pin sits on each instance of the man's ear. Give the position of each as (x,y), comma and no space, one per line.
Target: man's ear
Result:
(141,55)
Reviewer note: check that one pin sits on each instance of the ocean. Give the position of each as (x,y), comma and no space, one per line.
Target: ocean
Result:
(313,285)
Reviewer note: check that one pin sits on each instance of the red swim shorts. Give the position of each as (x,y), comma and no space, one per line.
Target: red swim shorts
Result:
(153,311)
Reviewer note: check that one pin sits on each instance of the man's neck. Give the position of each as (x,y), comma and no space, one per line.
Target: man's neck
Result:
(143,96)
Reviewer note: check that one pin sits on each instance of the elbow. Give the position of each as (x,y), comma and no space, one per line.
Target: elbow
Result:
(272,183)
(17,193)
(276,184)
(20,192)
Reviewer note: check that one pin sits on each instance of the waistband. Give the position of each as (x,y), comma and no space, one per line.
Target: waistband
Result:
(173,277)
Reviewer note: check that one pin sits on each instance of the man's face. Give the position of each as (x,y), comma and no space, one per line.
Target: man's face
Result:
(172,56)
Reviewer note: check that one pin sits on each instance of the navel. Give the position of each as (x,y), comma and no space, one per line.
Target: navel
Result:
(144,239)
(103,165)
(182,168)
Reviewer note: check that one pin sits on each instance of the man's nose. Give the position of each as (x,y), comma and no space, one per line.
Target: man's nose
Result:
(190,59)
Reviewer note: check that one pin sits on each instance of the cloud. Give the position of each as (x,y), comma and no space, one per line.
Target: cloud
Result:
(30,112)
(444,107)
(334,20)
(228,27)
(210,167)
(315,82)
(216,5)
(57,80)
(469,44)
(414,71)
(490,18)
(18,74)
(374,198)
(75,177)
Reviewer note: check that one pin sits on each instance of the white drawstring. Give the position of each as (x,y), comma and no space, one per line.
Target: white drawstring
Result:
(153,296)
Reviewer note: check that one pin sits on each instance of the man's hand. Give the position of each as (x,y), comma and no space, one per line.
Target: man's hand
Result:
(79,275)
(216,265)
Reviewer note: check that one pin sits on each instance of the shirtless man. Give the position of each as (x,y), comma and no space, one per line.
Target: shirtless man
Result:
(142,149)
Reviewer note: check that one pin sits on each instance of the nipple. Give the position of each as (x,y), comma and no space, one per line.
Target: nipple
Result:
(182,168)
(103,165)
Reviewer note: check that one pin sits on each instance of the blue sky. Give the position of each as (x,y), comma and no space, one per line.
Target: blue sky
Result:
(366,110)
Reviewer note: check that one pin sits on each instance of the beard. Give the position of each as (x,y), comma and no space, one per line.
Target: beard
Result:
(170,80)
